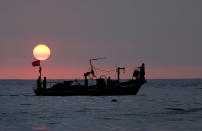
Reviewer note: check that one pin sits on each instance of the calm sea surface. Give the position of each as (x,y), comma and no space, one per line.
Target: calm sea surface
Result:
(160,105)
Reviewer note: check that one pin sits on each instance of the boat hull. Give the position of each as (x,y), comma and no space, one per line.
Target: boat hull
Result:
(129,90)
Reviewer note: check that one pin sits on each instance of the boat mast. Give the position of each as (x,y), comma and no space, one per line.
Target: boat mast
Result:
(118,72)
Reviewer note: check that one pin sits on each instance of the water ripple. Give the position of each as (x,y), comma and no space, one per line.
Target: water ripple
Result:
(181,110)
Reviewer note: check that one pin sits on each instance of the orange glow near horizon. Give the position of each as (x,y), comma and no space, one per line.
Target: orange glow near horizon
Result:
(41,52)
(77,73)
(55,71)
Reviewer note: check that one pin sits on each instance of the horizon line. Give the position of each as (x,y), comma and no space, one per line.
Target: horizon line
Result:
(113,79)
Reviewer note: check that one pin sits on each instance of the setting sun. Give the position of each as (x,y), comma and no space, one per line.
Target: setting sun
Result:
(41,52)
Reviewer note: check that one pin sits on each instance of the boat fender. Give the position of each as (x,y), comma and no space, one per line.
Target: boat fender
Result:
(114,100)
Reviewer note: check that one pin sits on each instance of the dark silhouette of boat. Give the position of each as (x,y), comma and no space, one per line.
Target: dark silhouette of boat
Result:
(102,86)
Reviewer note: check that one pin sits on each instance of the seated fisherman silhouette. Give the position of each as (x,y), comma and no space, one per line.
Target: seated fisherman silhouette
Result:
(39,83)
(44,83)
(136,74)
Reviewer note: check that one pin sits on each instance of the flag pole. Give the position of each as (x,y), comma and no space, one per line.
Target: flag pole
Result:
(40,71)
(40,68)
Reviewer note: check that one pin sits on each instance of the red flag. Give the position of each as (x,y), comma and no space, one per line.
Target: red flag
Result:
(36,63)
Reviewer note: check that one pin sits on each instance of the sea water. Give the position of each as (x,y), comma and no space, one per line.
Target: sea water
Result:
(160,105)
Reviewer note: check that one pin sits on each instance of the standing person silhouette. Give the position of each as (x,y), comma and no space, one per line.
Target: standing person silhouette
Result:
(142,72)
(109,81)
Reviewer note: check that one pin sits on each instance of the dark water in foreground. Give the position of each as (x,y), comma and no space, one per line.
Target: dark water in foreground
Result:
(161,105)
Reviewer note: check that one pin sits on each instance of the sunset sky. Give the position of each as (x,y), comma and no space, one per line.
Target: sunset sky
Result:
(164,34)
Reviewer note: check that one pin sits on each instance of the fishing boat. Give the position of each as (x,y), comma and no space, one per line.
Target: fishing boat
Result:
(102,86)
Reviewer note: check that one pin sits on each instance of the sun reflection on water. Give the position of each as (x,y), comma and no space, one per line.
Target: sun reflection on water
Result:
(40,128)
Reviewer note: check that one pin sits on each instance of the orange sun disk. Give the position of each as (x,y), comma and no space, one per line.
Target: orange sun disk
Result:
(41,52)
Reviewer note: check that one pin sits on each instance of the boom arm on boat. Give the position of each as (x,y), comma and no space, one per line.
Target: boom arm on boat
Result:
(91,72)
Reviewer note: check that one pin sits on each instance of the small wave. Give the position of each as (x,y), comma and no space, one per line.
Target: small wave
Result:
(194,110)
(175,109)
(13,95)
(27,95)
(45,104)
(175,119)
(81,110)
(110,118)
(181,110)
(151,100)
(26,104)
(16,95)
(196,103)
(129,114)
(85,109)
(52,123)
(23,112)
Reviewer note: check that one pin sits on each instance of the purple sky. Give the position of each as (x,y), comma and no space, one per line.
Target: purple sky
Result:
(164,34)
